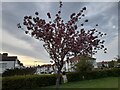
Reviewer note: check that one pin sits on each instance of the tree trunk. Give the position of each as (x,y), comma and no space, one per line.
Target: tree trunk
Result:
(58,80)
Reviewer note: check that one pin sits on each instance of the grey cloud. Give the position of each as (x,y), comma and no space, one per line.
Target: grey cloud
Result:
(13,13)
(106,20)
(25,52)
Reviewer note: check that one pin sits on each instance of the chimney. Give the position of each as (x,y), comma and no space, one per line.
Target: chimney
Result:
(5,54)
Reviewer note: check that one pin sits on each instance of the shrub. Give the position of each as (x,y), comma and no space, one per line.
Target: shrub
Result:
(84,64)
(17,71)
(95,74)
(115,72)
(74,76)
(31,81)
(28,81)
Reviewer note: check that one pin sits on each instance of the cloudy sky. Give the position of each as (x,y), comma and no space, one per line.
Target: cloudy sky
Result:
(28,50)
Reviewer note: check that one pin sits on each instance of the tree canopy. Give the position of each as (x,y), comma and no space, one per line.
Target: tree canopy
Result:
(64,39)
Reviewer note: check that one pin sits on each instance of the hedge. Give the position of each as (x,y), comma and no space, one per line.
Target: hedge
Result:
(28,81)
(74,76)
(77,76)
(34,81)
(17,71)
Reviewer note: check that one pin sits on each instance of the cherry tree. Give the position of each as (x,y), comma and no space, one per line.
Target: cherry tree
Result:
(63,40)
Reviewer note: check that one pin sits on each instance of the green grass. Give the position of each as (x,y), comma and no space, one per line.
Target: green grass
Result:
(109,82)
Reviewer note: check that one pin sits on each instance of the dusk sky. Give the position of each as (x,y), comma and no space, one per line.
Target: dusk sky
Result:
(16,42)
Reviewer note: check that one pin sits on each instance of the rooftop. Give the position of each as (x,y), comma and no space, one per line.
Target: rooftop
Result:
(5,57)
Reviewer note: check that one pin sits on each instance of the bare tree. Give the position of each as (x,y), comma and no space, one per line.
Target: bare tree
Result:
(64,39)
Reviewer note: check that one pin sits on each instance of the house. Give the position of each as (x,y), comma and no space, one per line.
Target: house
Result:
(102,64)
(9,62)
(54,67)
(64,66)
(70,66)
(44,69)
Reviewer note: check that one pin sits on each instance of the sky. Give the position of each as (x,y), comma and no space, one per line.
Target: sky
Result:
(17,43)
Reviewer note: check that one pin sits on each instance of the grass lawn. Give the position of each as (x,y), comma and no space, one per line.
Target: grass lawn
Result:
(109,82)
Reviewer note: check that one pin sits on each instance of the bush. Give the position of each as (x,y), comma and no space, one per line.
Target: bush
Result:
(84,65)
(95,74)
(17,71)
(115,72)
(28,81)
(34,81)
(74,76)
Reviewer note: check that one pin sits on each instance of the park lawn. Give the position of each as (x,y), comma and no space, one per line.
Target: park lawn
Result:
(109,82)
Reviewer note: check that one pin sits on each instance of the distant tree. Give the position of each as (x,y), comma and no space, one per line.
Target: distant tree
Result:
(21,64)
(84,65)
(64,39)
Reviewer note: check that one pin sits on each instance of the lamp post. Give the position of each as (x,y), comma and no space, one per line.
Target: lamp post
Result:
(34,63)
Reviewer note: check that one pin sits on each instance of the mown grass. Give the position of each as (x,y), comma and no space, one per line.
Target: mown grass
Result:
(110,82)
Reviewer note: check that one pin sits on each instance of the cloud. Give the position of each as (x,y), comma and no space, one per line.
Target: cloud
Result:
(29,61)
(39,55)
(112,51)
(15,41)
(22,44)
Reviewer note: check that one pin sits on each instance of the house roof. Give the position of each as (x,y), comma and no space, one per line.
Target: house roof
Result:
(5,57)
(103,62)
(74,59)
(46,65)
(77,58)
